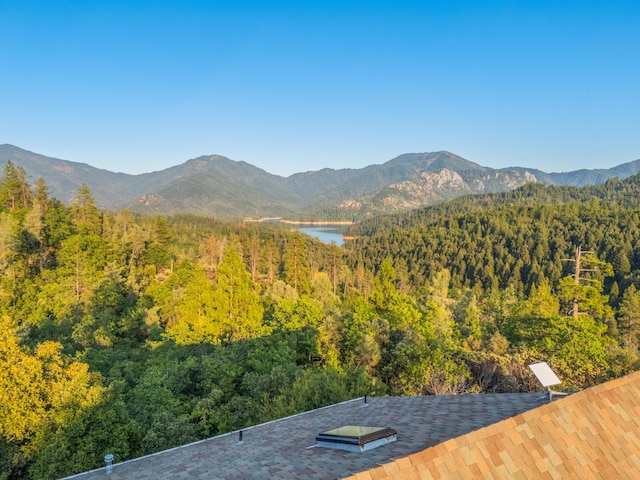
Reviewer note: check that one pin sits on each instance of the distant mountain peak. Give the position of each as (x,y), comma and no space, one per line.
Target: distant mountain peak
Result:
(215,185)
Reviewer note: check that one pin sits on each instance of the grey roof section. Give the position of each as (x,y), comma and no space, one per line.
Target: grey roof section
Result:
(286,448)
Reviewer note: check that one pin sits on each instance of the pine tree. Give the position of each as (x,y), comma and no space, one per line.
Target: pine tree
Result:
(86,216)
(15,192)
(237,303)
(629,317)
(296,263)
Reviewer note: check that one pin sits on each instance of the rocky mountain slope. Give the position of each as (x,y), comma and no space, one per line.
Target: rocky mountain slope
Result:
(217,186)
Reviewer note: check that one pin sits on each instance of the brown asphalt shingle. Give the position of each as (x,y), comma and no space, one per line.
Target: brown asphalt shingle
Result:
(281,449)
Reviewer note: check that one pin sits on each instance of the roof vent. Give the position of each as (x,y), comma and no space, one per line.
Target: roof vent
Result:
(108,460)
(356,438)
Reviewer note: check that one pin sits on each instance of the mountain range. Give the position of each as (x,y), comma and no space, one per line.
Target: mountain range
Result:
(214,185)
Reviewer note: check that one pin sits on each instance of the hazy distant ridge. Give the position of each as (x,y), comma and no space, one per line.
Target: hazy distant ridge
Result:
(217,186)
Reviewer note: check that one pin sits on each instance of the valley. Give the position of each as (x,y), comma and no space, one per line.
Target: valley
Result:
(132,333)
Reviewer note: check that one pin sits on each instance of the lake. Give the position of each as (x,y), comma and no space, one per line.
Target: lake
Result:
(327,233)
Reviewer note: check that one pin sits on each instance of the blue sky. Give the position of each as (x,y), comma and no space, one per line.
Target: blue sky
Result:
(291,86)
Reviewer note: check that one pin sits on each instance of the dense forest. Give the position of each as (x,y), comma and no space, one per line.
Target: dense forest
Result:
(129,334)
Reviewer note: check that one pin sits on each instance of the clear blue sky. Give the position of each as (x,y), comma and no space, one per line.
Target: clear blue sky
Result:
(290,86)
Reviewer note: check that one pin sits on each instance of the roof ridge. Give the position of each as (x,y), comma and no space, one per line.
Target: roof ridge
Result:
(592,432)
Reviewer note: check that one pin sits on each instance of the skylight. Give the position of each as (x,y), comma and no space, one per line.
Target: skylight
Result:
(354,438)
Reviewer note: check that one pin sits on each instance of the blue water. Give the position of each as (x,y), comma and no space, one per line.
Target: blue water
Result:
(326,234)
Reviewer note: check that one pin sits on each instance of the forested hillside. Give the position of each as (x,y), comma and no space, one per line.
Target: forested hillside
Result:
(129,334)
(514,240)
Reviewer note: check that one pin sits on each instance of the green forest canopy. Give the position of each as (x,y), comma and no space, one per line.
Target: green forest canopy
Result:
(128,334)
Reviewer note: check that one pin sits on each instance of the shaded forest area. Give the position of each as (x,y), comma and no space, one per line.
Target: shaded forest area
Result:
(127,334)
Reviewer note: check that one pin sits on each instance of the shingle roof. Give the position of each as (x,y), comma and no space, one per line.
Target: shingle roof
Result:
(591,434)
(281,449)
